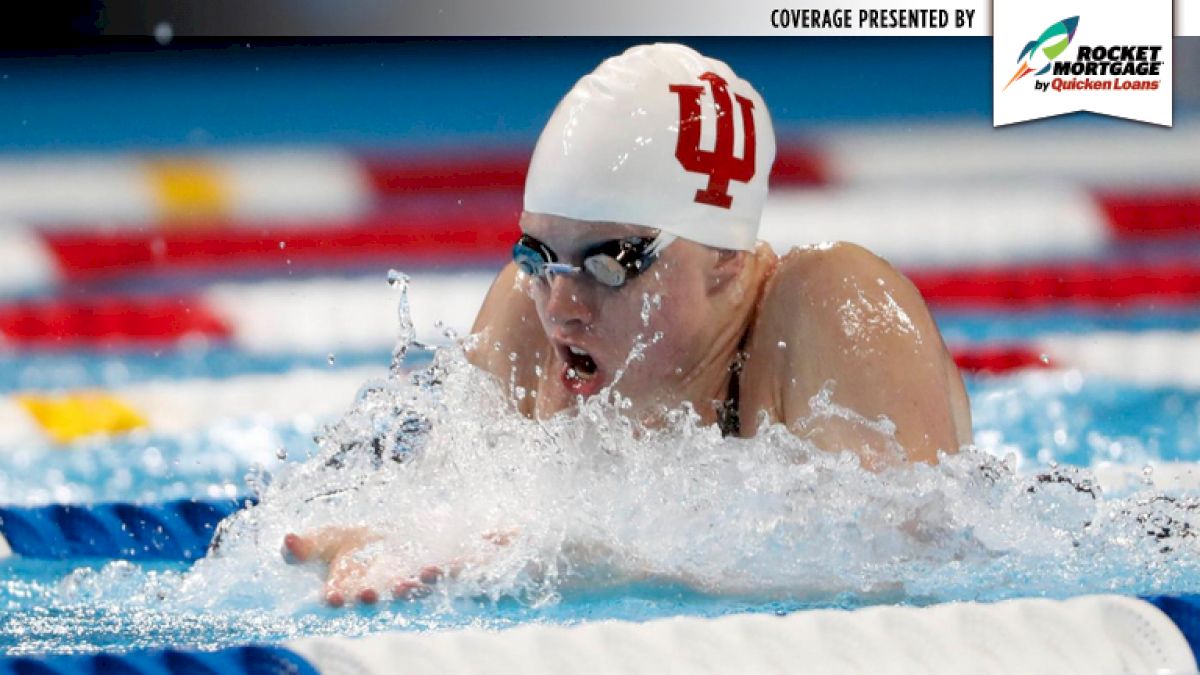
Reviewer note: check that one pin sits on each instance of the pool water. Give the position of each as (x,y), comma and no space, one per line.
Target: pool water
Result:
(674,522)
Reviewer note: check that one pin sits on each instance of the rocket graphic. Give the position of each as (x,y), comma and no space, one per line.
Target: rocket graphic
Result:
(1040,53)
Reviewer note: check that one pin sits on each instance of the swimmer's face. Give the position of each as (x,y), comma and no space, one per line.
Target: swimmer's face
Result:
(593,328)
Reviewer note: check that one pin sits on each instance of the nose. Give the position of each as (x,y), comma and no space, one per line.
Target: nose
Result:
(566,303)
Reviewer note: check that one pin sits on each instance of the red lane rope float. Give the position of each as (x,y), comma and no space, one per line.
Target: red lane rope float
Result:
(1075,283)
(1152,214)
(795,165)
(799,166)
(109,322)
(458,239)
(995,359)
(394,175)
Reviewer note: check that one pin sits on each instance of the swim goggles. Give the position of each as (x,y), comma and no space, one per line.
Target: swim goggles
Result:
(612,263)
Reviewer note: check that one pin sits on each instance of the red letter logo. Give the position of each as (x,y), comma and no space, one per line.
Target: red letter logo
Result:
(720,164)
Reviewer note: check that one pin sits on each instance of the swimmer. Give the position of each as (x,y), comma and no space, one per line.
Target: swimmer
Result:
(639,232)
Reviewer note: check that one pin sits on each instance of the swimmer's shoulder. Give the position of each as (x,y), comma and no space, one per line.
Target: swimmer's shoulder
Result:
(816,273)
(791,280)
(836,311)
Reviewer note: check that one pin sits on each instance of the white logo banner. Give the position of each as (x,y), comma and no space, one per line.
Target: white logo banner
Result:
(1111,57)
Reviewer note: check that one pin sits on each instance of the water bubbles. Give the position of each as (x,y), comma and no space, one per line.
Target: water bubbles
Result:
(781,344)
(282,245)
(163,33)
(281,453)
(331,359)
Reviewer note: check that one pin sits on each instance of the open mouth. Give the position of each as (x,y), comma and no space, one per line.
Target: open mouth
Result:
(580,372)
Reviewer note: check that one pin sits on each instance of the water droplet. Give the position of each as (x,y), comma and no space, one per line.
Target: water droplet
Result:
(281,453)
(163,33)
(1044,358)
(332,359)
(282,245)
(396,279)
(781,344)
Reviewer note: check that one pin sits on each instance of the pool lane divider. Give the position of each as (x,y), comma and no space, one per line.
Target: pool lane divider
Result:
(278,183)
(245,660)
(168,407)
(1092,634)
(296,181)
(913,228)
(327,313)
(70,419)
(179,530)
(448,233)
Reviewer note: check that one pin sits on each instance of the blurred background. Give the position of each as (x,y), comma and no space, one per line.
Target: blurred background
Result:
(195,236)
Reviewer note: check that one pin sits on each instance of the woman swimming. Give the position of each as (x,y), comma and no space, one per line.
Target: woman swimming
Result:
(639,237)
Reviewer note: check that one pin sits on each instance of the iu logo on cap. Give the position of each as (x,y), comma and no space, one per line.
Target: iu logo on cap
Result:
(719,163)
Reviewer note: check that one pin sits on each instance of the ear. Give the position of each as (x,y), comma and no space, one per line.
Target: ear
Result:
(726,267)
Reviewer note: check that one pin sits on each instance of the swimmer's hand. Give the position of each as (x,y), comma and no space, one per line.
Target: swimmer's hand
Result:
(355,573)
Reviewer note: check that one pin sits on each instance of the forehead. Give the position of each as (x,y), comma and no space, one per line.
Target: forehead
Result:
(562,234)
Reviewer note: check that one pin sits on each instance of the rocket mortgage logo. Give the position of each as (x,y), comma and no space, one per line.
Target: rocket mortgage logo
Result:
(1113,58)
(1096,67)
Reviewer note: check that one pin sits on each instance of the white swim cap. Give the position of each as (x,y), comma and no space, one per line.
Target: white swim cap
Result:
(660,136)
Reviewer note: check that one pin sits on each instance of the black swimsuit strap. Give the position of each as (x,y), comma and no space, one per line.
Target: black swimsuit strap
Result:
(728,414)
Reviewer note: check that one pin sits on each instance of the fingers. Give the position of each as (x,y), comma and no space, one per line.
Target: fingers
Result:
(326,543)
(347,581)
(419,586)
(297,549)
(430,574)
(409,589)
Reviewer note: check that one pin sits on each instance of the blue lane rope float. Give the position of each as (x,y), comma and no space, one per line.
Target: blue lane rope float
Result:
(177,530)
(247,660)
(1184,610)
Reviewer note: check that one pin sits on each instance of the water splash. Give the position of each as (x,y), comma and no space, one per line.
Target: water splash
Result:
(439,462)
(531,513)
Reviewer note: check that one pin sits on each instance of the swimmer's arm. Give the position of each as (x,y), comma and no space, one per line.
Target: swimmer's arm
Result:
(509,319)
(846,315)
